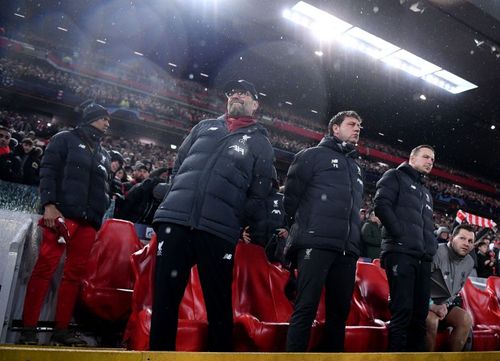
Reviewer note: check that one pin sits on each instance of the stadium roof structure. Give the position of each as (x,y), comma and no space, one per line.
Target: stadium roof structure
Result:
(315,73)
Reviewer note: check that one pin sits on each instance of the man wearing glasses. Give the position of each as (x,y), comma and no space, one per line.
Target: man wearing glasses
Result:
(222,174)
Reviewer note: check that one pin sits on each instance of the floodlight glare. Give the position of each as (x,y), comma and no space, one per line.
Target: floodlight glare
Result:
(410,63)
(328,27)
(451,82)
(368,43)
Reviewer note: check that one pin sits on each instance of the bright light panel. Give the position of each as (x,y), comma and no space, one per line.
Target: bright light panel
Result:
(323,25)
(410,63)
(368,43)
(328,27)
(451,82)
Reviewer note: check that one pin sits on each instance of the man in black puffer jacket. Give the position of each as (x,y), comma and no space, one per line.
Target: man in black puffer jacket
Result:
(404,205)
(74,175)
(222,172)
(323,196)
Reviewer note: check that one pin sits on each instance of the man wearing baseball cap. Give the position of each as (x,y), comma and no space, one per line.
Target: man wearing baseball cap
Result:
(222,174)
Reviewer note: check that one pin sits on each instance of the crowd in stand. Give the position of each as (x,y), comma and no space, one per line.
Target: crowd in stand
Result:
(39,128)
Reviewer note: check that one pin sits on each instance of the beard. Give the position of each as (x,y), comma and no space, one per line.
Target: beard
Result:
(237,109)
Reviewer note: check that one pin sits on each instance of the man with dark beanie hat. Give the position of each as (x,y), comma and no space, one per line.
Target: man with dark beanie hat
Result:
(74,176)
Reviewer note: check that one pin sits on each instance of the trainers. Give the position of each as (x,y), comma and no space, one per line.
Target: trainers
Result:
(28,337)
(65,337)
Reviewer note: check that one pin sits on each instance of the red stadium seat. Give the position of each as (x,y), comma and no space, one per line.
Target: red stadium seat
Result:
(485,311)
(493,286)
(192,327)
(107,287)
(261,309)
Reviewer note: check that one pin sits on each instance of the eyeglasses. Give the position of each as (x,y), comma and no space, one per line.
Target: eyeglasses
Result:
(6,136)
(238,92)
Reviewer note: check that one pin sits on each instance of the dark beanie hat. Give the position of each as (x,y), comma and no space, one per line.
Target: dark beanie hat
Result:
(92,111)
(116,156)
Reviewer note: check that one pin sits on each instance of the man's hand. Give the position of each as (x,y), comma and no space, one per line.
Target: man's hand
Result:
(50,214)
(282,233)
(440,310)
(246,234)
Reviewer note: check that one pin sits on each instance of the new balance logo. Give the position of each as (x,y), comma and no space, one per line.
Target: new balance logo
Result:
(335,163)
(276,211)
(82,146)
(228,256)
(237,149)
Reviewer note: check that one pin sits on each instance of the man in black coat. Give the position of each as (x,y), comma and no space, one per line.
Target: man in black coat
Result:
(405,207)
(30,161)
(323,195)
(74,176)
(222,172)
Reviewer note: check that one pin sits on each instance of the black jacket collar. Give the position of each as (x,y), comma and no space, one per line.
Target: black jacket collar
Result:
(336,144)
(412,172)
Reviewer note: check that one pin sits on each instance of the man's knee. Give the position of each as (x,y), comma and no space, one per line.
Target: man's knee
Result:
(432,323)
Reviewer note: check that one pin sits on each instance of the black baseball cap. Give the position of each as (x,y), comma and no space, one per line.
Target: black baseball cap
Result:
(241,85)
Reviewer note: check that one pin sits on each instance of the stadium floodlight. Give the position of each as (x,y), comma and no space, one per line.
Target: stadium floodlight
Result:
(137,53)
(368,43)
(19,15)
(410,63)
(62,29)
(328,27)
(448,81)
(263,94)
(322,24)
(204,75)
(101,41)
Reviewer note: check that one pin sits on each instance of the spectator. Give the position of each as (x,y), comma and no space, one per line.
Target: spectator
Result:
(442,235)
(485,259)
(10,164)
(30,161)
(371,236)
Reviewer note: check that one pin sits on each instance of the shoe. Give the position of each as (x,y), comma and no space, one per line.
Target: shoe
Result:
(65,337)
(28,337)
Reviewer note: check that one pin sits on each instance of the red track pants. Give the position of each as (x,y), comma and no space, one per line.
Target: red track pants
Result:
(77,253)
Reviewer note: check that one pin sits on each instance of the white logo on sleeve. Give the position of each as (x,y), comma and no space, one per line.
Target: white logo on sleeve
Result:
(275,203)
(238,149)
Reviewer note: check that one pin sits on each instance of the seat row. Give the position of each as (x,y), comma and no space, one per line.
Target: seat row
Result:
(119,286)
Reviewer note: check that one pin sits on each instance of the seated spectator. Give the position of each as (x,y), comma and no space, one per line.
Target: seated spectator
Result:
(442,235)
(371,235)
(10,164)
(451,266)
(485,259)
(30,157)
